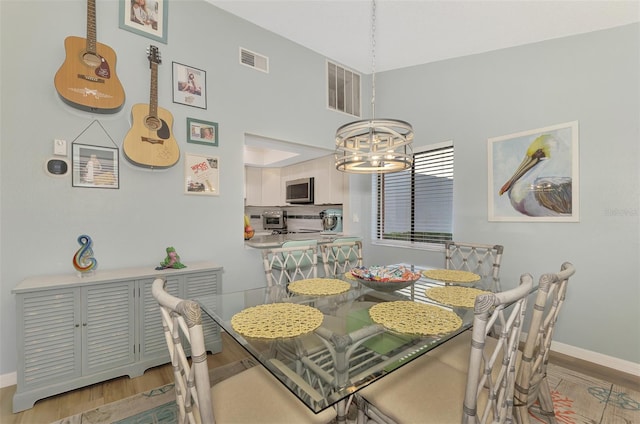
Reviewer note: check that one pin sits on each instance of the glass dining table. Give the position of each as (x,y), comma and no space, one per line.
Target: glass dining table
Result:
(324,368)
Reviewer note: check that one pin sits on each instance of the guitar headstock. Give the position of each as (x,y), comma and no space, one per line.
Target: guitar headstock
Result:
(153,54)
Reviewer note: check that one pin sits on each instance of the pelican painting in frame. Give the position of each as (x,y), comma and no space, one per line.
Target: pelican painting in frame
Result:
(533,175)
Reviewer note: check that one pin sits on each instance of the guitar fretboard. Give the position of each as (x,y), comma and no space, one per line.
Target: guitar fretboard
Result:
(91,26)
(153,100)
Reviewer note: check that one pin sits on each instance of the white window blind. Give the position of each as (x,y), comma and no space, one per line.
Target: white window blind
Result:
(416,206)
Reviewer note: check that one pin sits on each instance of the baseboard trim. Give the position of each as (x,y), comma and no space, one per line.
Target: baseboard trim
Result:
(597,358)
(10,379)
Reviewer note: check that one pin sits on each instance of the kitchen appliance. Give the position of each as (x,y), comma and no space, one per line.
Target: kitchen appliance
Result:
(331,221)
(300,191)
(274,220)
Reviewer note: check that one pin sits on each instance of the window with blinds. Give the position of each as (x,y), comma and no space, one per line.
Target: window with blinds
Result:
(416,205)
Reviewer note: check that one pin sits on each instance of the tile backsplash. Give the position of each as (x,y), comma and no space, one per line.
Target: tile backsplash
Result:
(299,217)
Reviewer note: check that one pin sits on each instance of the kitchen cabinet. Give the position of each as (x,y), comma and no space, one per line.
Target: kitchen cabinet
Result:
(263,187)
(266,186)
(330,184)
(73,332)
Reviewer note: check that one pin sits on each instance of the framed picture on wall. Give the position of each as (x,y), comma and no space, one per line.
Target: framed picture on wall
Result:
(533,175)
(189,86)
(95,167)
(202,132)
(201,175)
(148,18)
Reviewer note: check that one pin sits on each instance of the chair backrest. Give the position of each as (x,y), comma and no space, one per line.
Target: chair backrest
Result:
(482,259)
(552,289)
(182,323)
(492,366)
(341,255)
(294,260)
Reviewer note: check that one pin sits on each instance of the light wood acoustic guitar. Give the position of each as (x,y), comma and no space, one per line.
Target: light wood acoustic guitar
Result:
(150,142)
(87,79)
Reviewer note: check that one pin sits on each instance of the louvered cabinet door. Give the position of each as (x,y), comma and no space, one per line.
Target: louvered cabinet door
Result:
(152,341)
(108,326)
(204,284)
(48,337)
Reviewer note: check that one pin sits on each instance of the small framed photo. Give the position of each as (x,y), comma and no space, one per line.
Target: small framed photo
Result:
(145,17)
(202,132)
(95,167)
(201,175)
(189,86)
(534,175)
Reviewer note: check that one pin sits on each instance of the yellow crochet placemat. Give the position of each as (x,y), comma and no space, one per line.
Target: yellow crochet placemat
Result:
(409,317)
(277,320)
(451,275)
(454,295)
(349,276)
(319,286)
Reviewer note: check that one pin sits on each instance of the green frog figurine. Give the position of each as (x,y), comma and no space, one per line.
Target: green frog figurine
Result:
(171,261)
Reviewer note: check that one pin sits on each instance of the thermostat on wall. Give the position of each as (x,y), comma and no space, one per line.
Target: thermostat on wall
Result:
(56,167)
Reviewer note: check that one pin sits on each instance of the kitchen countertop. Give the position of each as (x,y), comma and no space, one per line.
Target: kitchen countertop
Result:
(276,240)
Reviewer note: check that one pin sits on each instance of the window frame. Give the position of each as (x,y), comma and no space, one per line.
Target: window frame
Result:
(410,244)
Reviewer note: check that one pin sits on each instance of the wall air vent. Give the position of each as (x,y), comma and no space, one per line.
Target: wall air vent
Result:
(254,60)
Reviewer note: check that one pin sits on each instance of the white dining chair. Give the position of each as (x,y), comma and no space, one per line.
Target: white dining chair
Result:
(250,397)
(295,260)
(532,387)
(427,390)
(482,259)
(341,255)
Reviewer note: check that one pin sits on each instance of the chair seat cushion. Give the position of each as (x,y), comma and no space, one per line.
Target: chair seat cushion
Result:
(455,352)
(255,396)
(423,391)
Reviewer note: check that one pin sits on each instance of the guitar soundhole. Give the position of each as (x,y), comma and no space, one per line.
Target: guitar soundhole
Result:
(91,59)
(153,123)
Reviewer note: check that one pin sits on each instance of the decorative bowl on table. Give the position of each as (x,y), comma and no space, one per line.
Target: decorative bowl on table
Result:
(386,279)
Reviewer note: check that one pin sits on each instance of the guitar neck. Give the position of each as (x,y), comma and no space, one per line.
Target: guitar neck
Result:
(153,100)
(91,26)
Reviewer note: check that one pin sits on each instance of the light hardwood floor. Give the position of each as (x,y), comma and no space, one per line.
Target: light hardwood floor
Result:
(76,401)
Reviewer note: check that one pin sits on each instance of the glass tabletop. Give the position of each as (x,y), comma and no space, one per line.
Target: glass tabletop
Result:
(348,351)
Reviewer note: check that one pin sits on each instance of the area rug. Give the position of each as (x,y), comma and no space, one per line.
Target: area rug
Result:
(579,398)
(157,406)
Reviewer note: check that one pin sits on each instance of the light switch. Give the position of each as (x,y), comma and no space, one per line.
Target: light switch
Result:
(60,147)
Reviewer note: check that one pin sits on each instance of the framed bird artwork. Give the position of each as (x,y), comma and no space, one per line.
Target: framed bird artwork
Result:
(533,175)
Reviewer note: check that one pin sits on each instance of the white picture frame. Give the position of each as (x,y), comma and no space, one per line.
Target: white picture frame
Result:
(201,175)
(549,191)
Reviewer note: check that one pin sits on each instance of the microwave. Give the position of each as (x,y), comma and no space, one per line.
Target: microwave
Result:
(300,191)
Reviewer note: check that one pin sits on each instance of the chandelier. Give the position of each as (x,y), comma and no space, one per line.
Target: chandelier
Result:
(374,145)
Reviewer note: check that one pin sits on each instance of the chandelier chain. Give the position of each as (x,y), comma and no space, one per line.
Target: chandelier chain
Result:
(373,59)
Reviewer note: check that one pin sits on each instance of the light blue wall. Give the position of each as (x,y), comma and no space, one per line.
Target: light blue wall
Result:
(591,78)
(41,216)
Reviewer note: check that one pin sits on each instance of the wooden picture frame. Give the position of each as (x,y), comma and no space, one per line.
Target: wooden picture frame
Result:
(202,132)
(534,175)
(189,86)
(201,175)
(151,23)
(95,166)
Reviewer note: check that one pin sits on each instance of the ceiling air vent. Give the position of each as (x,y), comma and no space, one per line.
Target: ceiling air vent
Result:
(254,60)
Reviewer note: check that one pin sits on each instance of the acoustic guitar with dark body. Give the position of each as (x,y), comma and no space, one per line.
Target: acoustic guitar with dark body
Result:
(87,79)
(150,142)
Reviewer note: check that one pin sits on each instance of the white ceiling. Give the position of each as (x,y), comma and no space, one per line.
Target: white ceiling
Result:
(411,32)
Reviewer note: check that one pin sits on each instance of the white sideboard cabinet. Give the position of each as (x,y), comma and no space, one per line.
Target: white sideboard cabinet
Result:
(75,331)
